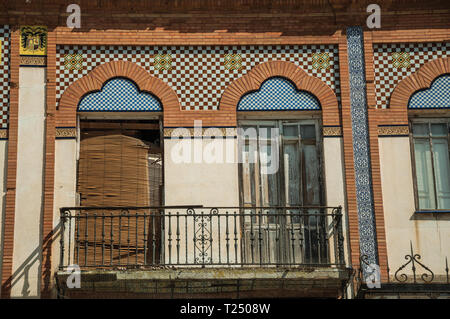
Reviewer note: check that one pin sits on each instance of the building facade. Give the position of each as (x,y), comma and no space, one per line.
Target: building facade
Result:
(237,149)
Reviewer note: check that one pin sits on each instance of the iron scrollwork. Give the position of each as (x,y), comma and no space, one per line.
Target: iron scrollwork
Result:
(202,235)
(413,259)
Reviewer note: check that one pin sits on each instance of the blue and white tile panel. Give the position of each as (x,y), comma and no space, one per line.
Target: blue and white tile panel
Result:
(278,94)
(387,76)
(119,95)
(361,148)
(436,97)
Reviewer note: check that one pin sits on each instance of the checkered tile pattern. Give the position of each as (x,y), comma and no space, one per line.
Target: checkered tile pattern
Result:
(438,96)
(198,73)
(278,94)
(4,75)
(119,95)
(387,76)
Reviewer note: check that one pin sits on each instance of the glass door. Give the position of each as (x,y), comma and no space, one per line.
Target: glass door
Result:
(281,171)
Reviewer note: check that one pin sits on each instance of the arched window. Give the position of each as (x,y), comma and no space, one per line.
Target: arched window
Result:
(431,145)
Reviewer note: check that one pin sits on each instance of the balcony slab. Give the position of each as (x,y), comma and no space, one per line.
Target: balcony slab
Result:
(323,282)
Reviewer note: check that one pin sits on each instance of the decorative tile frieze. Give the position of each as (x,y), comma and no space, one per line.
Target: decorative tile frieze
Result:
(183,132)
(361,148)
(3,134)
(332,131)
(38,61)
(66,132)
(393,130)
(198,75)
(387,75)
(4,75)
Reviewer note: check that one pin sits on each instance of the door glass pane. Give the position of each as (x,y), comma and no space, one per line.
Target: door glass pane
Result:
(268,156)
(292,174)
(424,174)
(442,172)
(312,180)
(421,129)
(439,129)
(308,132)
(248,176)
(290,130)
(266,131)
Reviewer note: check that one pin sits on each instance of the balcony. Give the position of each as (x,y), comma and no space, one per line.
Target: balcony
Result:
(179,246)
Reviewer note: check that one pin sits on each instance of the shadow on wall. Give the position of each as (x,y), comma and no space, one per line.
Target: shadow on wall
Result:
(2,231)
(22,274)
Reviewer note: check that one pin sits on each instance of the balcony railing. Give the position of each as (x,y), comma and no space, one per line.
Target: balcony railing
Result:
(149,237)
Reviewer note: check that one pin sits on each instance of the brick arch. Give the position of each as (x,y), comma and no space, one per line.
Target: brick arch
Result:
(253,80)
(94,81)
(421,79)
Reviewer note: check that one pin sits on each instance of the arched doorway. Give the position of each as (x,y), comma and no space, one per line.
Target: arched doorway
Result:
(120,165)
(281,171)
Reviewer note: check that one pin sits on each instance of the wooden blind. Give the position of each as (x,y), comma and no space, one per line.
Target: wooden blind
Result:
(113,170)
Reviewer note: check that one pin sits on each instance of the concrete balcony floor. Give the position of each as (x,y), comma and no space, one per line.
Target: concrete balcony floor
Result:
(315,282)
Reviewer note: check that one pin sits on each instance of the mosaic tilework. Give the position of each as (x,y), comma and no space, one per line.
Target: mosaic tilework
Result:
(361,149)
(387,75)
(233,61)
(321,61)
(162,62)
(119,95)
(437,96)
(73,61)
(278,94)
(198,74)
(4,75)
(33,40)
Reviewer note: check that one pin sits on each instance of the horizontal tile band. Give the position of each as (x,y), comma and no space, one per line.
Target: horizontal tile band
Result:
(393,130)
(3,134)
(66,132)
(332,131)
(200,132)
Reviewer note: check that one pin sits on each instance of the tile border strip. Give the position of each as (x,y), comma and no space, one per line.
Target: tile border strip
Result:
(361,147)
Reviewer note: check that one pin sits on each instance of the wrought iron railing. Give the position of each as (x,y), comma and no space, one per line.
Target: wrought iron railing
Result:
(140,237)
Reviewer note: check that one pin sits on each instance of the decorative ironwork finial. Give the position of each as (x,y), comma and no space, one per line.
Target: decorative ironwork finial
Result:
(413,259)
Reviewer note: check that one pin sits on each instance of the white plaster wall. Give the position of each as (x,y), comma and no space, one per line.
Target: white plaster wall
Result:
(29,187)
(208,184)
(65,189)
(430,234)
(202,183)
(3,167)
(334,179)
